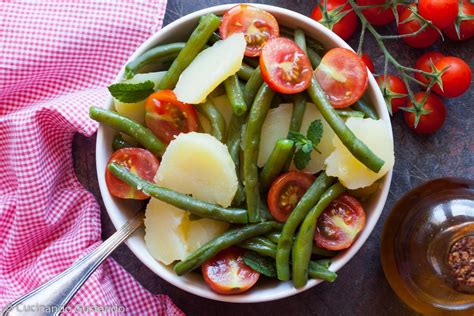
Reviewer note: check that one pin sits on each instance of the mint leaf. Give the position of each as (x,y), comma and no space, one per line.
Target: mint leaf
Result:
(131,92)
(261,264)
(307,148)
(315,132)
(296,137)
(301,159)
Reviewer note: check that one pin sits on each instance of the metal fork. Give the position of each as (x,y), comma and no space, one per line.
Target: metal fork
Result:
(56,293)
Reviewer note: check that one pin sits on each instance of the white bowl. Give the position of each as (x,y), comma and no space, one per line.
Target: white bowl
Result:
(121,211)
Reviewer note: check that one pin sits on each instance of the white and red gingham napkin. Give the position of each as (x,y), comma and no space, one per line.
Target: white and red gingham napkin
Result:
(56,58)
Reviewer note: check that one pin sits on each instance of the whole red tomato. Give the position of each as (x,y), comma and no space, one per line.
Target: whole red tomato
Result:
(441,12)
(410,23)
(432,118)
(378,15)
(456,79)
(424,63)
(466,25)
(394,91)
(368,62)
(346,26)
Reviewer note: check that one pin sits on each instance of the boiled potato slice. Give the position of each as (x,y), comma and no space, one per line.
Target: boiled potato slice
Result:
(136,111)
(276,126)
(199,164)
(203,230)
(210,68)
(165,234)
(352,173)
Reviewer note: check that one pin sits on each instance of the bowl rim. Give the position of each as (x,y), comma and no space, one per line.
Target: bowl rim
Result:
(118,217)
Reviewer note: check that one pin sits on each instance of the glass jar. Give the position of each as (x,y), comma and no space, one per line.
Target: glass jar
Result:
(427,247)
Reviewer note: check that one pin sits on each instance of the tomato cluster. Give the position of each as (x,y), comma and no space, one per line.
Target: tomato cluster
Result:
(419,25)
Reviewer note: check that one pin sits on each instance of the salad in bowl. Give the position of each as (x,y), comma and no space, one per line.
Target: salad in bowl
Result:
(253,148)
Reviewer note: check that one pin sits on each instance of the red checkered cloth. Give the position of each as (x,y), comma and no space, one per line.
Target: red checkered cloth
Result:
(56,57)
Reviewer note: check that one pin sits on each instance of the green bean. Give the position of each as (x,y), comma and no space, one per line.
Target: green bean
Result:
(350,113)
(229,238)
(234,136)
(252,86)
(119,143)
(179,200)
(235,95)
(362,106)
(299,107)
(300,39)
(245,72)
(301,253)
(125,125)
(156,54)
(357,148)
(319,271)
(264,212)
(275,163)
(195,43)
(310,43)
(285,241)
(260,245)
(257,115)
(324,262)
(314,58)
(215,118)
(275,237)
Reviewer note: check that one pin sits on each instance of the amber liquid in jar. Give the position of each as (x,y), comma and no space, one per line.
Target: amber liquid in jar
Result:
(428,247)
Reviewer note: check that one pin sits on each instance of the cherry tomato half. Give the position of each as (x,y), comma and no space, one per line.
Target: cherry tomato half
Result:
(257,25)
(424,63)
(285,193)
(340,223)
(226,273)
(345,26)
(343,76)
(368,62)
(432,120)
(466,26)
(140,162)
(456,79)
(441,13)
(285,67)
(168,117)
(394,91)
(410,23)
(377,15)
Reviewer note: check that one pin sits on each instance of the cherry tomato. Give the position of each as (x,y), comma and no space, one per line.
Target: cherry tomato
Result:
(286,191)
(456,79)
(343,76)
(285,66)
(392,90)
(340,223)
(368,62)
(378,15)
(409,24)
(466,26)
(226,273)
(432,120)
(140,162)
(344,27)
(168,117)
(424,63)
(257,25)
(441,13)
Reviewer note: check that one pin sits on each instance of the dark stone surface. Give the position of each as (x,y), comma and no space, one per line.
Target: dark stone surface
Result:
(361,288)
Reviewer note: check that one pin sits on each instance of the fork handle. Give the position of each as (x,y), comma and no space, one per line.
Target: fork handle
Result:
(51,297)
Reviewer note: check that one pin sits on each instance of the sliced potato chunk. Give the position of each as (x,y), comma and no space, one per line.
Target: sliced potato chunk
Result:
(210,68)
(199,164)
(352,173)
